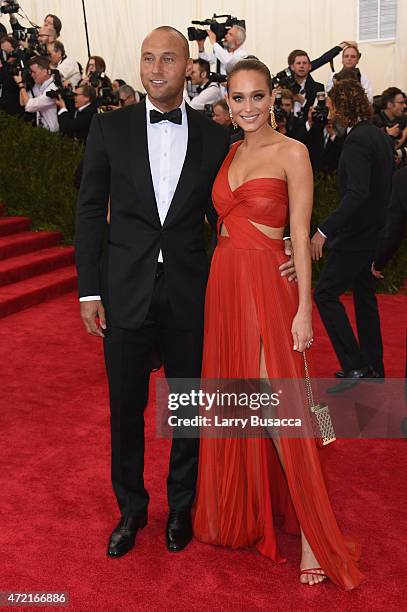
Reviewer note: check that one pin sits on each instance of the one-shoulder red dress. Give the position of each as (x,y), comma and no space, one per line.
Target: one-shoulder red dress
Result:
(241,485)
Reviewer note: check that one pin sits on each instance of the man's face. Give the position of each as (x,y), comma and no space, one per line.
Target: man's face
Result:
(196,75)
(80,99)
(55,56)
(350,58)
(163,68)
(39,74)
(126,100)
(301,66)
(46,35)
(287,105)
(397,107)
(220,116)
(232,39)
(8,48)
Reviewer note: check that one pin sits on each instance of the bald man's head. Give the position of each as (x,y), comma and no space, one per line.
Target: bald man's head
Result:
(164,64)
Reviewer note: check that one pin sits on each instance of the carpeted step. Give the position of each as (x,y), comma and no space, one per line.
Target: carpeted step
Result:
(12,225)
(16,269)
(19,296)
(27,242)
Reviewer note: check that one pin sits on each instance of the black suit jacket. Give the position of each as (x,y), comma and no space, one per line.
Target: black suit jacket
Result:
(396,220)
(364,172)
(324,157)
(119,261)
(77,127)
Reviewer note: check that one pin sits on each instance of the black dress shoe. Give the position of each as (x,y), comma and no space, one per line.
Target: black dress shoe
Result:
(179,530)
(340,374)
(352,377)
(123,537)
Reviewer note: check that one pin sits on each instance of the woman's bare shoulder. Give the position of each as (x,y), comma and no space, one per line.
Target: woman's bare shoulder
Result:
(292,149)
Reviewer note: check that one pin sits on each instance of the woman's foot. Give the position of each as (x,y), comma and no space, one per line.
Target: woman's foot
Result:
(315,574)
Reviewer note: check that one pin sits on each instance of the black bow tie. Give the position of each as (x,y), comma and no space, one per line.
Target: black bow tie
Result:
(175,116)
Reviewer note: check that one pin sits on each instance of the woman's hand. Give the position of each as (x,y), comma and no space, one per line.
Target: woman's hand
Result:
(301,330)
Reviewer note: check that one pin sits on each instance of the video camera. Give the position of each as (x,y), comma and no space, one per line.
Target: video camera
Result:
(285,79)
(8,7)
(220,29)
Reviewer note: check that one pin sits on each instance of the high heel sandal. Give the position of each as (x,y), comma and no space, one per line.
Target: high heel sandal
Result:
(315,571)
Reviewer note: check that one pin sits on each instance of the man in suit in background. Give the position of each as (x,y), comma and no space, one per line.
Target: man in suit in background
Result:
(300,64)
(396,222)
(76,123)
(352,231)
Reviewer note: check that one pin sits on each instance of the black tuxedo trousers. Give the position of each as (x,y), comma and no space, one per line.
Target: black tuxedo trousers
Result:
(128,364)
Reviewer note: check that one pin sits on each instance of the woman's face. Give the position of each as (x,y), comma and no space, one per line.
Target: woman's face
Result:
(91,66)
(249,99)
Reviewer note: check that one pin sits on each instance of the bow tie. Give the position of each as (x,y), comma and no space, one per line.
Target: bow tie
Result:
(175,116)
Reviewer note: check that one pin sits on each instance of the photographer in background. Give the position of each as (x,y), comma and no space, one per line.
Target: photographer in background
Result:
(307,89)
(324,142)
(228,56)
(9,91)
(126,97)
(67,67)
(76,124)
(50,21)
(36,100)
(287,123)
(221,113)
(350,59)
(392,119)
(208,92)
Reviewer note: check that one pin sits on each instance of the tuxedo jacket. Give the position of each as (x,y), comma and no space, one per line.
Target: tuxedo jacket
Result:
(119,260)
(77,127)
(311,89)
(365,174)
(396,220)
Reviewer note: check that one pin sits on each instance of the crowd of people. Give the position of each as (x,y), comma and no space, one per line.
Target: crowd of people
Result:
(31,71)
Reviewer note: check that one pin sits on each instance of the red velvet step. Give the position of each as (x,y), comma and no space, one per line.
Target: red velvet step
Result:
(26,242)
(18,296)
(12,225)
(16,269)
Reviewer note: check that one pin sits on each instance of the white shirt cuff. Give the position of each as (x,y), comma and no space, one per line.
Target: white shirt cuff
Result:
(62,110)
(90,298)
(322,233)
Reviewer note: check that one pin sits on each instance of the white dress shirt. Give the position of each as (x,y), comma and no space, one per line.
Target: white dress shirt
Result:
(227,58)
(297,108)
(69,71)
(43,106)
(167,148)
(364,81)
(209,95)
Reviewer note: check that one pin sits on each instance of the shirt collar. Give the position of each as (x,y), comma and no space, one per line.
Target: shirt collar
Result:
(150,106)
(46,84)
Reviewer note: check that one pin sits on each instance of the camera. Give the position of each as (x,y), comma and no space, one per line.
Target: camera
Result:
(19,66)
(320,112)
(96,78)
(208,110)
(218,28)
(215,77)
(286,80)
(28,34)
(279,113)
(65,92)
(8,7)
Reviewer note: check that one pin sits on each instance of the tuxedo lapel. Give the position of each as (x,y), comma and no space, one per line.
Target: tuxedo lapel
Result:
(190,170)
(139,161)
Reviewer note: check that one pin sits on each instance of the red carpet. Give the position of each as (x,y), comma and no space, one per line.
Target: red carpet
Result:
(58,508)
(33,267)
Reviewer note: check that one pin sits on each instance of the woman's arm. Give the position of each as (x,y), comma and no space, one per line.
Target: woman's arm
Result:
(300,192)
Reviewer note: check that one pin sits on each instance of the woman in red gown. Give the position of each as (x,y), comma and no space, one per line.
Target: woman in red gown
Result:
(257,324)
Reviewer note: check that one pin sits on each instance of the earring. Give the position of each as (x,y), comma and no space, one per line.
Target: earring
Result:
(232,120)
(272,118)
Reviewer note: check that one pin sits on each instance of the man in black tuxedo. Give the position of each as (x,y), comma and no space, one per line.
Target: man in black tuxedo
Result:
(352,231)
(157,161)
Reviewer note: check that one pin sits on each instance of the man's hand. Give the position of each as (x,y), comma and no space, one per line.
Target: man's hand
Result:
(376,273)
(393,131)
(310,117)
(90,311)
(348,43)
(299,98)
(288,268)
(18,78)
(317,244)
(212,37)
(60,102)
